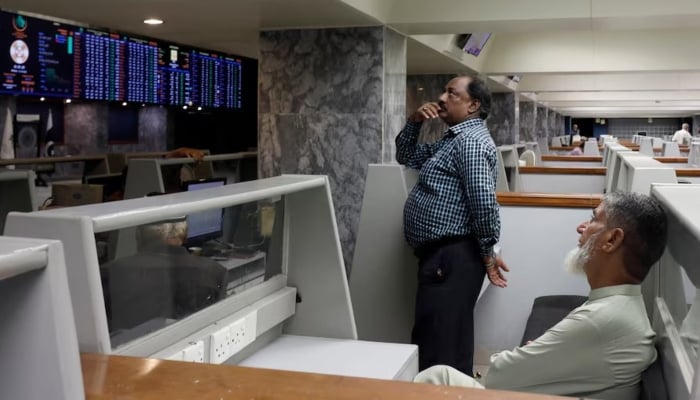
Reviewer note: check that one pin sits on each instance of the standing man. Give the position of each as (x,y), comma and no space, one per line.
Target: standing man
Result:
(575,135)
(683,135)
(451,219)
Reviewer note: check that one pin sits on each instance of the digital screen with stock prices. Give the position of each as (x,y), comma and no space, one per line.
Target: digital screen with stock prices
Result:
(46,58)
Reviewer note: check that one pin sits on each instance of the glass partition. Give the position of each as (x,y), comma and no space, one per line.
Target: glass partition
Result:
(156,274)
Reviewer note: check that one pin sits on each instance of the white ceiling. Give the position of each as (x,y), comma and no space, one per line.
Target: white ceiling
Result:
(597,58)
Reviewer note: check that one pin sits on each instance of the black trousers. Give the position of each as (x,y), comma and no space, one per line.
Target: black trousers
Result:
(450,275)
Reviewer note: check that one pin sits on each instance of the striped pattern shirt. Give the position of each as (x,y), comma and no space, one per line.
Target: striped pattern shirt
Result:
(456,190)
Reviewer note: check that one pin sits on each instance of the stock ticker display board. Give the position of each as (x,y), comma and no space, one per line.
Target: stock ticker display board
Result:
(47,58)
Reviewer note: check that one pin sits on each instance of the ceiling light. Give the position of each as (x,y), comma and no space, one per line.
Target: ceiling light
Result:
(152,21)
(124,104)
(68,101)
(42,99)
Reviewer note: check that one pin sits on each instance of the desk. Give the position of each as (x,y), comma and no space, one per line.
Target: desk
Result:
(118,377)
(94,164)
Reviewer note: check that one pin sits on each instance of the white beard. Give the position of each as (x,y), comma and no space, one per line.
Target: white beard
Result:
(574,261)
(577,258)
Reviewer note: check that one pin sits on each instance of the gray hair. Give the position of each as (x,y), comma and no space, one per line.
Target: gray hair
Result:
(643,220)
(479,90)
(160,233)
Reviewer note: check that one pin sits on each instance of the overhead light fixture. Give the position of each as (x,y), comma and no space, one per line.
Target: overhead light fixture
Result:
(152,21)
(42,99)
(68,101)
(124,104)
(199,108)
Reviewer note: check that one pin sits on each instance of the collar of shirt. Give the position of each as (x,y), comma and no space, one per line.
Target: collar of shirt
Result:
(624,290)
(462,126)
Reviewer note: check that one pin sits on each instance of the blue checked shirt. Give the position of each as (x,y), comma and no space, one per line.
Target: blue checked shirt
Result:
(456,190)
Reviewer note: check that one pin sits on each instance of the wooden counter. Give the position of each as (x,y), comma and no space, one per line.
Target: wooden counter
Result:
(555,157)
(564,170)
(549,200)
(129,378)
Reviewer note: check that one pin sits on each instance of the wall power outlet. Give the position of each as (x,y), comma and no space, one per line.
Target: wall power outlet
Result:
(243,332)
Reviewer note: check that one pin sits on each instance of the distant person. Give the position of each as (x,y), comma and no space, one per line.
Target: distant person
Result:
(683,135)
(162,279)
(602,347)
(578,150)
(452,220)
(575,134)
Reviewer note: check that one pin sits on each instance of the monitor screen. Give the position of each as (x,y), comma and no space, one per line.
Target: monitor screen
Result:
(641,133)
(37,56)
(204,225)
(475,43)
(49,58)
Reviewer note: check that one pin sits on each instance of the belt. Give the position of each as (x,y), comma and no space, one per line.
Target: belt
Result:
(430,247)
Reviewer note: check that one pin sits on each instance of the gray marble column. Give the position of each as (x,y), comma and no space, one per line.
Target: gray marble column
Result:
(323,103)
(552,127)
(503,119)
(541,122)
(394,91)
(695,129)
(528,116)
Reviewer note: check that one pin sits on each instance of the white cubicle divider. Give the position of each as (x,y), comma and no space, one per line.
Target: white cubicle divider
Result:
(670,149)
(145,175)
(591,148)
(548,180)
(637,172)
(307,296)
(16,193)
(646,146)
(40,356)
(383,276)
(508,169)
(678,326)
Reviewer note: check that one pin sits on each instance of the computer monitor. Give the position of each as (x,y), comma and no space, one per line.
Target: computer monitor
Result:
(641,133)
(204,225)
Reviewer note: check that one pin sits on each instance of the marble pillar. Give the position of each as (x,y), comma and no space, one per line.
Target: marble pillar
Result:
(552,124)
(695,128)
(503,119)
(541,122)
(528,116)
(394,92)
(325,96)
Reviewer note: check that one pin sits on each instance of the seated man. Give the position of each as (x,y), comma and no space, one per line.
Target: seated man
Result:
(602,347)
(162,280)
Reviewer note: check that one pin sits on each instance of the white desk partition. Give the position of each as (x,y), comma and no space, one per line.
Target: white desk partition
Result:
(508,158)
(311,263)
(670,149)
(40,357)
(383,276)
(638,172)
(16,193)
(679,326)
(591,148)
(146,175)
(646,146)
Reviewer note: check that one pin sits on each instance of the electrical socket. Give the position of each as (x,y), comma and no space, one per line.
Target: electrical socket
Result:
(194,352)
(243,332)
(220,345)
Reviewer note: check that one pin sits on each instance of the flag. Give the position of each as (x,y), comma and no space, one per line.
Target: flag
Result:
(7,149)
(49,126)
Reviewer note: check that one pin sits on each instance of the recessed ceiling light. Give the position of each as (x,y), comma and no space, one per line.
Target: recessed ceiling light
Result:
(152,21)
